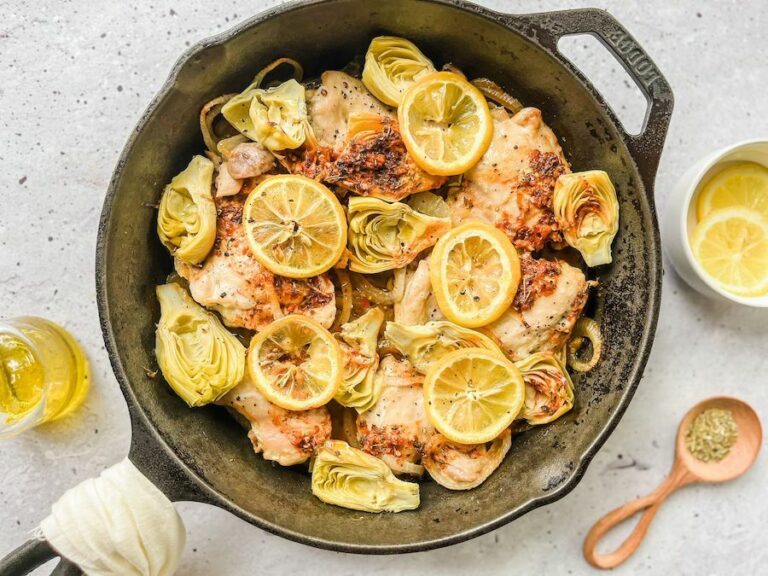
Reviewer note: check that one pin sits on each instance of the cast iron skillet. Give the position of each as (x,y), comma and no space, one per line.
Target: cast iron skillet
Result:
(203,455)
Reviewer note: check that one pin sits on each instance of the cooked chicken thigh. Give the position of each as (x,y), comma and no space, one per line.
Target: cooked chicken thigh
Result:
(247,295)
(548,302)
(512,184)
(357,144)
(464,466)
(284,436)
(396,428)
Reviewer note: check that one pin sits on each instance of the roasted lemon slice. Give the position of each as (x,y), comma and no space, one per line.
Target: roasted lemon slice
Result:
(744,184)
(445,123)
(731,244)
(296,363)
(474,270)
(295,226)
(472,395)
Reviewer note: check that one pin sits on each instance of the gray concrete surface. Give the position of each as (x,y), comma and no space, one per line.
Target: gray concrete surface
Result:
(75,76)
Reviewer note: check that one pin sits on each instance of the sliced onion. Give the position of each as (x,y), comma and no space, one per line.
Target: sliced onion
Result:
(298,71)
(379,295)
(585,329)
(208,114)
(345,309)
(494,92)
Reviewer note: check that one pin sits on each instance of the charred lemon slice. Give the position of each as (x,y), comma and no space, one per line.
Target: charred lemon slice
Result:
(473,395)
(295,226)
(296,363)
(445,123)
(474,271)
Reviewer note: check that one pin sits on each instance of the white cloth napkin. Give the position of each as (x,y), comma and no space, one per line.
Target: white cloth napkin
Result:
(118,524)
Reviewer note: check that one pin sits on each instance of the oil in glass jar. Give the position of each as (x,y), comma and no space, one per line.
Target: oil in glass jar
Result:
(44,373)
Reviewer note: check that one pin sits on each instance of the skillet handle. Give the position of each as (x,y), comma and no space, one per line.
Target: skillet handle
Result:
(646,146)
(32,554)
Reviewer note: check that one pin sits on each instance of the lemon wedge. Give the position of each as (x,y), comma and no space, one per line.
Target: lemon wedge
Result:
(473,395)
(295,226)
(731,245)
(296,363)
(744,184)
(474,271)
(445,123)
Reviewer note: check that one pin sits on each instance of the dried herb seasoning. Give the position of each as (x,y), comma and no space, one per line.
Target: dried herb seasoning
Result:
(710,437)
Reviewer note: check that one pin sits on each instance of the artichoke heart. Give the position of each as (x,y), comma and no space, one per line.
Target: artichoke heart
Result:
(426,344)
(548,388)
(587,211)
(198,357)
(350,478)
(392,64)
(384,236)
(358,340)
(274,117)
(186,219)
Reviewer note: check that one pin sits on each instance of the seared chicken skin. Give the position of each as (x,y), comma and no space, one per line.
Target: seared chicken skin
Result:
(283,436)
(357,144)
(549,300)
(396,428)
(513,183)
(245,294)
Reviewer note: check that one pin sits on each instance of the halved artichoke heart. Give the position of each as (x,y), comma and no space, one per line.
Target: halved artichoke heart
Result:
(200,359)
(350,478)
(587,211)
(275,117)
(384,236)
(186,219)
(548,388)
(392,64)
(426,344)
(358,340)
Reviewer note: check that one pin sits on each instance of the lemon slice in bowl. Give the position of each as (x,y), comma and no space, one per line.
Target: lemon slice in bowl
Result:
(744,184)
(295,226)
(474,271)
(731,245)
(296,363)
(472,395)
(445,123)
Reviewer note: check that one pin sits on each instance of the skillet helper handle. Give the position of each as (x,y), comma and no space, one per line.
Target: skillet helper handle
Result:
(32,554)
(648,505)
(647,145)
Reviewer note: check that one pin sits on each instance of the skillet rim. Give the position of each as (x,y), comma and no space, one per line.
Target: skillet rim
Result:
(197,489)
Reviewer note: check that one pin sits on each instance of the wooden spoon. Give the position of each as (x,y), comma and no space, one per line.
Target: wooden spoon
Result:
(686,470)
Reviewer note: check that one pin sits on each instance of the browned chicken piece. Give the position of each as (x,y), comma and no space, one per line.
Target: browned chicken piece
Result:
(512,184)
(247,295)
(549,300)
(283,436)
(396,428)
(356,144)
(375,162)
(464,466)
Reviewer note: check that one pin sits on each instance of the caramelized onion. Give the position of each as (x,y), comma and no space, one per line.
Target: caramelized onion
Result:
(585,329)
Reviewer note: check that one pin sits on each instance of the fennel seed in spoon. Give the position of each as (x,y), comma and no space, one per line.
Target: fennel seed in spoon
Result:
(710,437)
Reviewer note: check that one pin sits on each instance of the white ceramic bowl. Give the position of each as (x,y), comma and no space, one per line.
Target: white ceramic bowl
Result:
(680,217)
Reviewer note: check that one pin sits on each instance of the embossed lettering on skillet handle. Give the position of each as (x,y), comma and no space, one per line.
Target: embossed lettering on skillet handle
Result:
(548,28)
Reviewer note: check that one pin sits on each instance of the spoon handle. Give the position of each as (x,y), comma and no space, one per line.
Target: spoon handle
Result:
(678,477)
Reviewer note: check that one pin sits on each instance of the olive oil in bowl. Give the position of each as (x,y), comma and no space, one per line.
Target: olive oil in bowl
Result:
(44,374)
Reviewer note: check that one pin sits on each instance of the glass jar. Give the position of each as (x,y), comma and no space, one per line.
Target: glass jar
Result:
(44,373)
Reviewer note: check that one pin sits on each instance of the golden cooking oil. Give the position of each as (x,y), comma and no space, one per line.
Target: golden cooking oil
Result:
(44,373)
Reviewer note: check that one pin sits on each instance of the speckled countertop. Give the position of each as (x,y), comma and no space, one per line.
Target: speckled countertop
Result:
(75,76)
